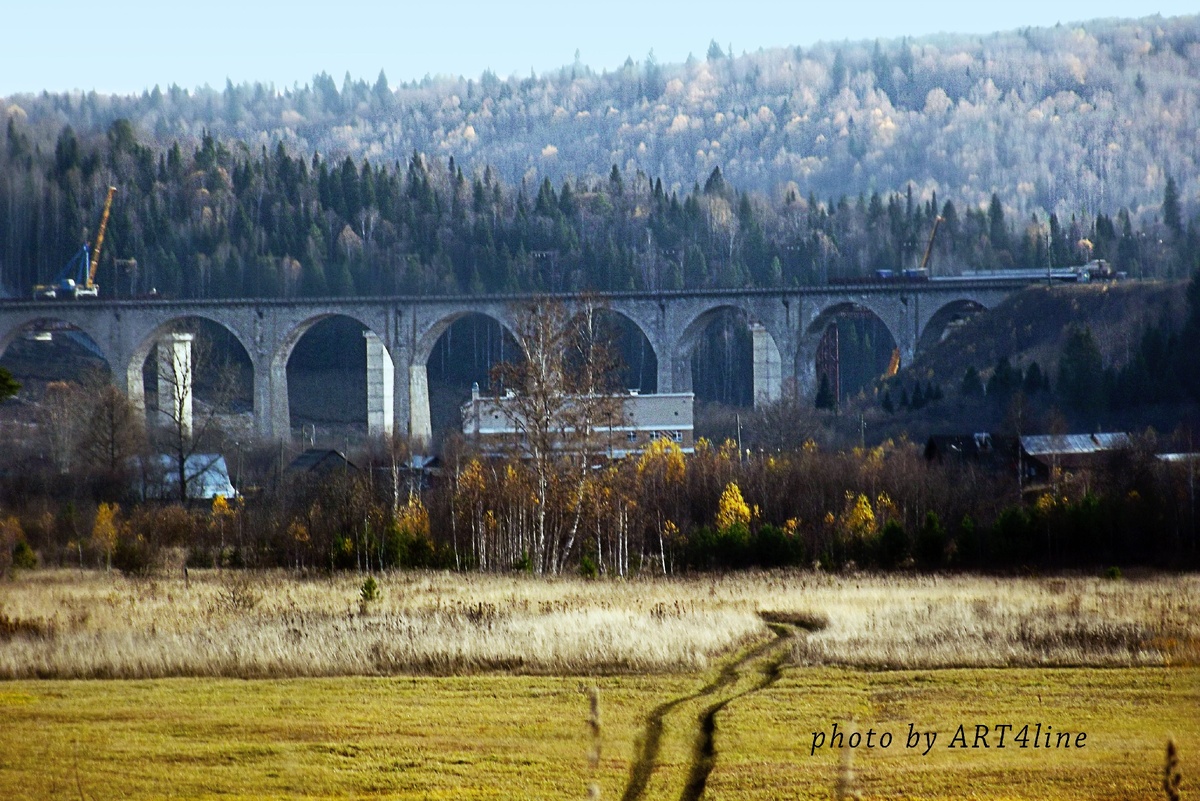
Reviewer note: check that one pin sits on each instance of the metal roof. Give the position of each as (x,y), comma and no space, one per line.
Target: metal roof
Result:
(1048,444)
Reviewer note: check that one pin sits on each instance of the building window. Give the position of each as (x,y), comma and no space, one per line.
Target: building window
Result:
(677,436)
(632,436)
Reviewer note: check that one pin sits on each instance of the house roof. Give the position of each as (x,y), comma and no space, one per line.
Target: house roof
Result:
(207,476)
(320,460)
(979,446)
(1074,444)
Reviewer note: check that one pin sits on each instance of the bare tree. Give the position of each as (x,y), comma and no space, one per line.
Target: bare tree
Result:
(560,403)
(115,432)
(62,421)
(185,428)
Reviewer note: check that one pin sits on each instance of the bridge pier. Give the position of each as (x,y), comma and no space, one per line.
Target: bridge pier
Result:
(666,372)
(768,367)
(278,408)
(380,387)
(175,381)
(420,428)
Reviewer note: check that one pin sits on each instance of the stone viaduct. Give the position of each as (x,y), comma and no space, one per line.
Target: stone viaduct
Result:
(400,332)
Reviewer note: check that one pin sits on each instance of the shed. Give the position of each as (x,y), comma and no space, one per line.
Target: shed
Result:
(206,474)
(320,461)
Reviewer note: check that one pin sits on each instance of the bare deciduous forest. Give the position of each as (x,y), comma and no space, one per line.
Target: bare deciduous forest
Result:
(783,166)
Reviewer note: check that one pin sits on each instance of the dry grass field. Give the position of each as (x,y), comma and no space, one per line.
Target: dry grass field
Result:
(66,624)
(451,686)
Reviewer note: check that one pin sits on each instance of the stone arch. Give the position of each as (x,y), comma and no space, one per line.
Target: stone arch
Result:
(766,371)
(815,333)
(43,349)
(134,369)
(640,359)
(22,323)
(834,310)
(439,383)
(428,338)
(380,375)
(947,315)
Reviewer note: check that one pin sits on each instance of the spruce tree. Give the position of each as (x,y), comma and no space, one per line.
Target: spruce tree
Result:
(972,385)
(825,399)
(1081,372)
(1171,216)
(8,385)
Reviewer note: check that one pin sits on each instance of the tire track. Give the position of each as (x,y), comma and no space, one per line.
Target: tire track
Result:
(767,659)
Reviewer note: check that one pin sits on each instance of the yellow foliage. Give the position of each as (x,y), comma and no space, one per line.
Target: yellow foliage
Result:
(104,530)
(298,532)
(413,518)
(1045,503)
(471,479)
(732,509)
(791,526)
(665,455)
(810,446)
(10,531)
(221,509)
(728,451)
(885,508)
(858,518)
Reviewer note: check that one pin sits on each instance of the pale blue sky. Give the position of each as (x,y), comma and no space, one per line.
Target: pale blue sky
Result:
(123,46)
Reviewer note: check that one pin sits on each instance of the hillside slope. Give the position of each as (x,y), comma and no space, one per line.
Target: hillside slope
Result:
(1030,326)
(1070,119)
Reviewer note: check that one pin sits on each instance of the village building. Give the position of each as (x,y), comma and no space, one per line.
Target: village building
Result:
(494,423)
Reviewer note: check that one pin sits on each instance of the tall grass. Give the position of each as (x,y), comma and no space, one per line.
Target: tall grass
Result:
(68,624)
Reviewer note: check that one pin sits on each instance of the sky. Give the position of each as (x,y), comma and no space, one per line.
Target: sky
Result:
(127,46)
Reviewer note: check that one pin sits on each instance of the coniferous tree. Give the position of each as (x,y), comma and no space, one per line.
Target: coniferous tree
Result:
(1081,372)
(972,385)
(918,397)
(1172,217)
(825,399)
(8,385)
(1003,382)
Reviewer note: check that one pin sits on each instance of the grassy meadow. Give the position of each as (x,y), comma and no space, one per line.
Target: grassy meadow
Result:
(450,686)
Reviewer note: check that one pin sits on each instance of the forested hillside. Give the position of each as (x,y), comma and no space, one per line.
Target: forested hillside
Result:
(777,167)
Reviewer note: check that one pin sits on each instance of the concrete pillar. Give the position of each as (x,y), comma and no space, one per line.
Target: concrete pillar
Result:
(768,372)
(135,385)
(806,365)
(262,398)
(175,381)
(401,407)
(681,372)
(380,387)
(666,374)
(420,429)
(279,425)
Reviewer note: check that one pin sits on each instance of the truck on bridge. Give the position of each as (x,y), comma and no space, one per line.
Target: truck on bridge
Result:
(78,278)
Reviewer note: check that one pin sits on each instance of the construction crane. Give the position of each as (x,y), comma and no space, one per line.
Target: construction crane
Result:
(78,278)
(929,248)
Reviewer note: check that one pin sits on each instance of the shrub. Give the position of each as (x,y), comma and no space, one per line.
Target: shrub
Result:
(369,592)
(23,557)
(893,544)
(931,541)
(587,567)
(135,555)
